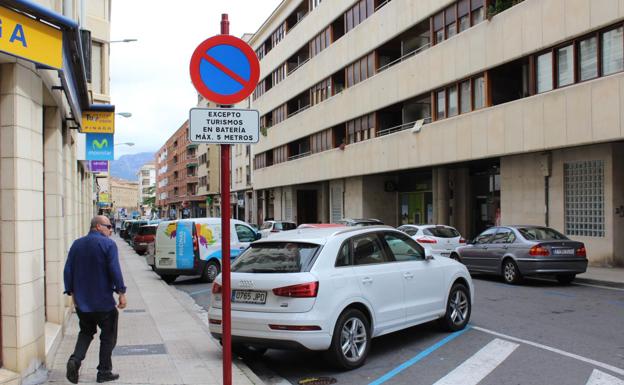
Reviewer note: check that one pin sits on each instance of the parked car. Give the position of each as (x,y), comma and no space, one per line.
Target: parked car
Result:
(193,247)
(133,229)
(319,225)
(322,289)
(269,227)
(517,251)
(125,225)
(145,236)
(440,240)
(360,222)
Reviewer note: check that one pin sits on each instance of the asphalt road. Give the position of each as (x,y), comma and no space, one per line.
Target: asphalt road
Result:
(538,333)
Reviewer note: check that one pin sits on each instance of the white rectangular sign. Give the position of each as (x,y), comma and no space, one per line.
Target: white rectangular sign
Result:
(224,125)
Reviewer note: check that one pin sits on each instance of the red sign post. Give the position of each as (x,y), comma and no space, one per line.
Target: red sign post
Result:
(225,70)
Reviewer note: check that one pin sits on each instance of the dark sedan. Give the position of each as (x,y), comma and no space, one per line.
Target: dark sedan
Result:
(517,251)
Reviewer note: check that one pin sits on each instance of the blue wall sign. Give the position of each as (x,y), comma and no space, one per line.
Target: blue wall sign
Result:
(100,147)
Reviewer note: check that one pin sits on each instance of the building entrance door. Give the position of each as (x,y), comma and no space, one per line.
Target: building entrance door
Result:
(416,207)
(486,198)
(307,206)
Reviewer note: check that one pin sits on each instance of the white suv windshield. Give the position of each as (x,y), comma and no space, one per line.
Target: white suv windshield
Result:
(276,257)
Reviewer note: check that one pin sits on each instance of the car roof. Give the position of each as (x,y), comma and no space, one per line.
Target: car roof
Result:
(319,236)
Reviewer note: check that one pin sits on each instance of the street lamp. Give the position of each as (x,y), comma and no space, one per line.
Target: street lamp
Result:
(129,144)
(124,114)
(123,41)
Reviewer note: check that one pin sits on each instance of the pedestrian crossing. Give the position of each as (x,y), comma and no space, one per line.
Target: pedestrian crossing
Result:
(492,354)
(482,363)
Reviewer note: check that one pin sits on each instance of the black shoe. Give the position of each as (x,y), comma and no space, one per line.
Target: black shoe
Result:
(108,376)
(72,371)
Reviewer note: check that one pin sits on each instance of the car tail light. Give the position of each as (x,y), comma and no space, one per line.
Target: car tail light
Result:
(426,240)
(214,321)
(304,290)
(539,251)
(295,327)
(462,240)
(216,288)
(581,252)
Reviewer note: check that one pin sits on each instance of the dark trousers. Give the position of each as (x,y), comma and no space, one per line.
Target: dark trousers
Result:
(89,322)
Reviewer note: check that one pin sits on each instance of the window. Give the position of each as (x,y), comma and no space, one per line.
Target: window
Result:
(280,154)
(544,73)
(584,198)
(438,27)
(276,257)
(361,70)
(320,42)
(478,11)
(588,59)
(321,141)
(279,114)
(478,95)
(404,248)
(464,97)
(503,236)
(358,13)
(245,234)
(344,255)
(367,250)
(613,51)
(441,105)
(441,232)
(361,128)
(96,67)
(451,22)
(452,101)
(313,4)
(485,236)
(278,35)
(541,234)
(463,14)
(565,66)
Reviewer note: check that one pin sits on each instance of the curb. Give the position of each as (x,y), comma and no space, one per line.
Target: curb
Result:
(594,281)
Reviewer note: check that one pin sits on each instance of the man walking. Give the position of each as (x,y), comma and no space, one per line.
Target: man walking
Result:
(92,274)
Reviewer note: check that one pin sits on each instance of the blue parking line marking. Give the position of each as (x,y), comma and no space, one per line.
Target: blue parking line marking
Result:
(419,357)
(200,291)
(617,302)
(559,294)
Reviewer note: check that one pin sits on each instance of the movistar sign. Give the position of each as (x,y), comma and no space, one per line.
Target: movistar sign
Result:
(100,146)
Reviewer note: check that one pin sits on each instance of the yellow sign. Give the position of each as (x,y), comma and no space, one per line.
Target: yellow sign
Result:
(98,122)
(104,197)
(30,39)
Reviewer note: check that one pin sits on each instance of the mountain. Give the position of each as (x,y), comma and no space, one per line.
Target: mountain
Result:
(127,166)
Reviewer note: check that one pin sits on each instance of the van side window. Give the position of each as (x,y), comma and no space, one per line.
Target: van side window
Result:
(245,234)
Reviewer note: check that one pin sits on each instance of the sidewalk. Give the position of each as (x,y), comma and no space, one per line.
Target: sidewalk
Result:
(603,275)
(162,339)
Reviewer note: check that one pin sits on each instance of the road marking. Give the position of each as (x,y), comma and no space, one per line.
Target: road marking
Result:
(599,364)
(599,378)
(200,291)
(559,294)
(419,357)
(482,363)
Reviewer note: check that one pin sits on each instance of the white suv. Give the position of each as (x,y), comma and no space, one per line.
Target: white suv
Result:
(335,289)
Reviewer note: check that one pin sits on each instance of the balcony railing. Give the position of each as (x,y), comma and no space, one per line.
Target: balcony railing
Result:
(400,127)
(302,155)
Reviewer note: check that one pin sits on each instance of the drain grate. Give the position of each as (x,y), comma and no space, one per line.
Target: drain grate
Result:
(139,350)
(317,381)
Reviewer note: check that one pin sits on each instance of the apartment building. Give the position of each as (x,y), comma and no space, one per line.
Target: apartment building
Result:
(46,193)
(177,180)
(469,112)
(124,195)
(146,185)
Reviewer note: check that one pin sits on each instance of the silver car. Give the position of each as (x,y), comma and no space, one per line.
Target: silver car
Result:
(517,251)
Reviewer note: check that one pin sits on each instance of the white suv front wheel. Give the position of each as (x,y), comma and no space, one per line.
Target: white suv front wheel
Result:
(351,340)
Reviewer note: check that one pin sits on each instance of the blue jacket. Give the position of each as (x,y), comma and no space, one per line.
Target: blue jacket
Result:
(92,273)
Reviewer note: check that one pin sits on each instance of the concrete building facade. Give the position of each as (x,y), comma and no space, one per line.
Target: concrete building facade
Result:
(146,187)
(449,112)
(177,179)
(47,196)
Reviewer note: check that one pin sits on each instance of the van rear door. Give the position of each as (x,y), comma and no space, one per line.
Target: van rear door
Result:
(165,248)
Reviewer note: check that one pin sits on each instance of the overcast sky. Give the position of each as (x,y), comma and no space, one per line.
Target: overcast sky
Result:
(150,78)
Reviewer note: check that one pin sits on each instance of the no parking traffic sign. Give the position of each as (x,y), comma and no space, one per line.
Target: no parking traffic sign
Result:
(224,69)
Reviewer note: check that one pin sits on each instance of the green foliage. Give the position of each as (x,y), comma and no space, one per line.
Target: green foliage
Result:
(498,6)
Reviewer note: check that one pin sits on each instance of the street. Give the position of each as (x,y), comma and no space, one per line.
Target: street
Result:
(536,333)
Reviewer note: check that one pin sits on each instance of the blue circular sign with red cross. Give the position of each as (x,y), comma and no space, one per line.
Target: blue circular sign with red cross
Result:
(224,69)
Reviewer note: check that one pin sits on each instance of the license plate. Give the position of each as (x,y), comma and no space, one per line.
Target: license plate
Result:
(563,251)
(142,244)
(166,262)
(445,254)
(249,296)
